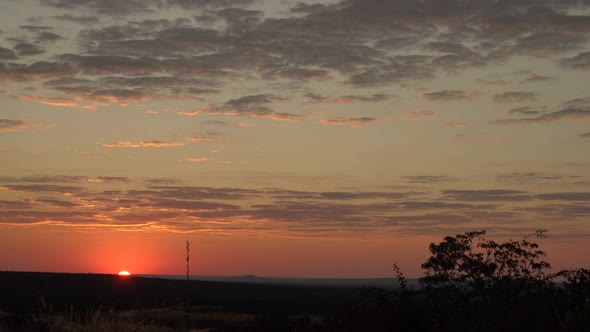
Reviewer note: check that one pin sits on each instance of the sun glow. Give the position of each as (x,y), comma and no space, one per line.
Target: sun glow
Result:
(124,273)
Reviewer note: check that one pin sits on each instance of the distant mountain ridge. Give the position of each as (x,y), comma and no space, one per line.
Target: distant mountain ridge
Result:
(338,282)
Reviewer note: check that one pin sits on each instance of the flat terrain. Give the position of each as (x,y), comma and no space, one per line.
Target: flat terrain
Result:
(27,298)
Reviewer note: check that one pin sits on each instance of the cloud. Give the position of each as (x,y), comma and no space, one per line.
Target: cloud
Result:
(546,43)
(67,179)
(525,111)
(168,205)
(574,109)
(537,78)
(520,178)
(420,206)
(298,74)
(309,8)
(450,95)
(47,37)
(142,144)
(566,196)
(353,122)
(111,64)
(183,51)
(26,49)
(238,38)
(10,125)
(447,47)
(515,97)
(455,124)
(313,98)
(494,81)
(253,106)
(226,123)
(580,61)
(79,218)
(7,54)
(83,20)
(561,211)
(36,70)
(456,62)
(395,70)
(35,28)
(289,117)
(52,101)
(578,103)
(197,160)
(429,220)
(110,7)
(210,136)
(428,179)
(43,188)
(12,205)
(487,195)
(420,114)
(57,202)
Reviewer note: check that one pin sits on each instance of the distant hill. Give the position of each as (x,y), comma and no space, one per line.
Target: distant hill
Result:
(387,283)
(23,291)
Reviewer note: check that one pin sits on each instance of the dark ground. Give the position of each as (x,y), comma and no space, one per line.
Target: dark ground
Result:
(94,302)
(50,301)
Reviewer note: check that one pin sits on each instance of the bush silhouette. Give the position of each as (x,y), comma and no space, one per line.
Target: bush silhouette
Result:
(472,283)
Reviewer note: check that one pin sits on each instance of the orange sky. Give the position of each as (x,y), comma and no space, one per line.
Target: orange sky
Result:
(110,251)
(288,138)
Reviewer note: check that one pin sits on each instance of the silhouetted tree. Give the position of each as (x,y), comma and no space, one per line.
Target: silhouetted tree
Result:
(472,263)
(473,281)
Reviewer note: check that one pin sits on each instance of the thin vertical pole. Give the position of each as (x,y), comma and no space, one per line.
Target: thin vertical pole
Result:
(188,245)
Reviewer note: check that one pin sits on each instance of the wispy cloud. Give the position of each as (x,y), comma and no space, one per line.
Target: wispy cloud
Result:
(197,160)
(11,125)
(142,144)
(253,106)
(7,54)
(572,114)
(171,206)
(420,114)
(450,95)
(455,124)
(226,123)
(525,111)
(428,179)
(520,178)
(494,81)
(210,136)
(580,61)
(515,97)
(313,98)
(353,122)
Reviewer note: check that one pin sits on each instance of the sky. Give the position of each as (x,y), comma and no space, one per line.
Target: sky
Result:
(289,138)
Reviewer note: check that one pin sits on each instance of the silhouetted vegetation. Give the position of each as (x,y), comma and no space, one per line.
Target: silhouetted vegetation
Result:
(470,283)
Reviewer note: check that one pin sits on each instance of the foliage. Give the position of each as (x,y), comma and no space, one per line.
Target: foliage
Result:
(476,284)
(472,263)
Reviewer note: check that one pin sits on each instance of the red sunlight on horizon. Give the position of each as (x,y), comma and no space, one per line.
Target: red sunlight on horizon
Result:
(163,253)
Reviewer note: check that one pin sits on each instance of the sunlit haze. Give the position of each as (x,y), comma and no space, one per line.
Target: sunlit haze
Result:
(289,138)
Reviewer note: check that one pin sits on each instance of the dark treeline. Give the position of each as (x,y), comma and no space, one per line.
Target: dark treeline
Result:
(471,283)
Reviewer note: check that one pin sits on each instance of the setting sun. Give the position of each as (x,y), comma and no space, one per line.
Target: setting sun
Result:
(124,273)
